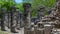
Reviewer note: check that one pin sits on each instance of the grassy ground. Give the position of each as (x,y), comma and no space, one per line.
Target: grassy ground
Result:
(3,32)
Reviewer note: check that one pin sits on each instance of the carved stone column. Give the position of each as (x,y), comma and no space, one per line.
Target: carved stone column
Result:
(47,29)
(40,29)
(27,17)
(41,12)
(13,22)
(3,11)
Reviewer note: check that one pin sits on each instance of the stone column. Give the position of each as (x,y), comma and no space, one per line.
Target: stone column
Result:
(3,11)
(47,29)
(41,12)
(13,24)
(21,20)
(27,17)
(35,29)
(32,28)
(18,19)
(9,18)
(40,29)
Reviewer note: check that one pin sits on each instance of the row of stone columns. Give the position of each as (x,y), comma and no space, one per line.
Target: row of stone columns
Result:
(10,19)
(29,28)
(47,29)
(26,18)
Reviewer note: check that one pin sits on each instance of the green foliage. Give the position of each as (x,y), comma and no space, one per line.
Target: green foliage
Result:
(47,3)
(20,6)
(6,3)
(35,3)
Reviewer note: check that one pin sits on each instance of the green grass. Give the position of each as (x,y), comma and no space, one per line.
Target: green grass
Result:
(3,32)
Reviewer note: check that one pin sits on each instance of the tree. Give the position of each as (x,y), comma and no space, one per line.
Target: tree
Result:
(7,3)
(47,3)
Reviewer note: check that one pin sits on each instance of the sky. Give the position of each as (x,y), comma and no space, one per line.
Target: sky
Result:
(18,1)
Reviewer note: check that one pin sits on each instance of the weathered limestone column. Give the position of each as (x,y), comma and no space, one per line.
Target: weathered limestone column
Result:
(35,29)
(21,20)
(31,31)
(18,19)
(3,11)
(41,12)
(47,29)
(9,18)
(13,23)
(27,17)
(40,29)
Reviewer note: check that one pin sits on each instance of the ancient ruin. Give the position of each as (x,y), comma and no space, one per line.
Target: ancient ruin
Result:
(43,24)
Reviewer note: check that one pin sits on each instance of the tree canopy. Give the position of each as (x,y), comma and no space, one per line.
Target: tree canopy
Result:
(35,3)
